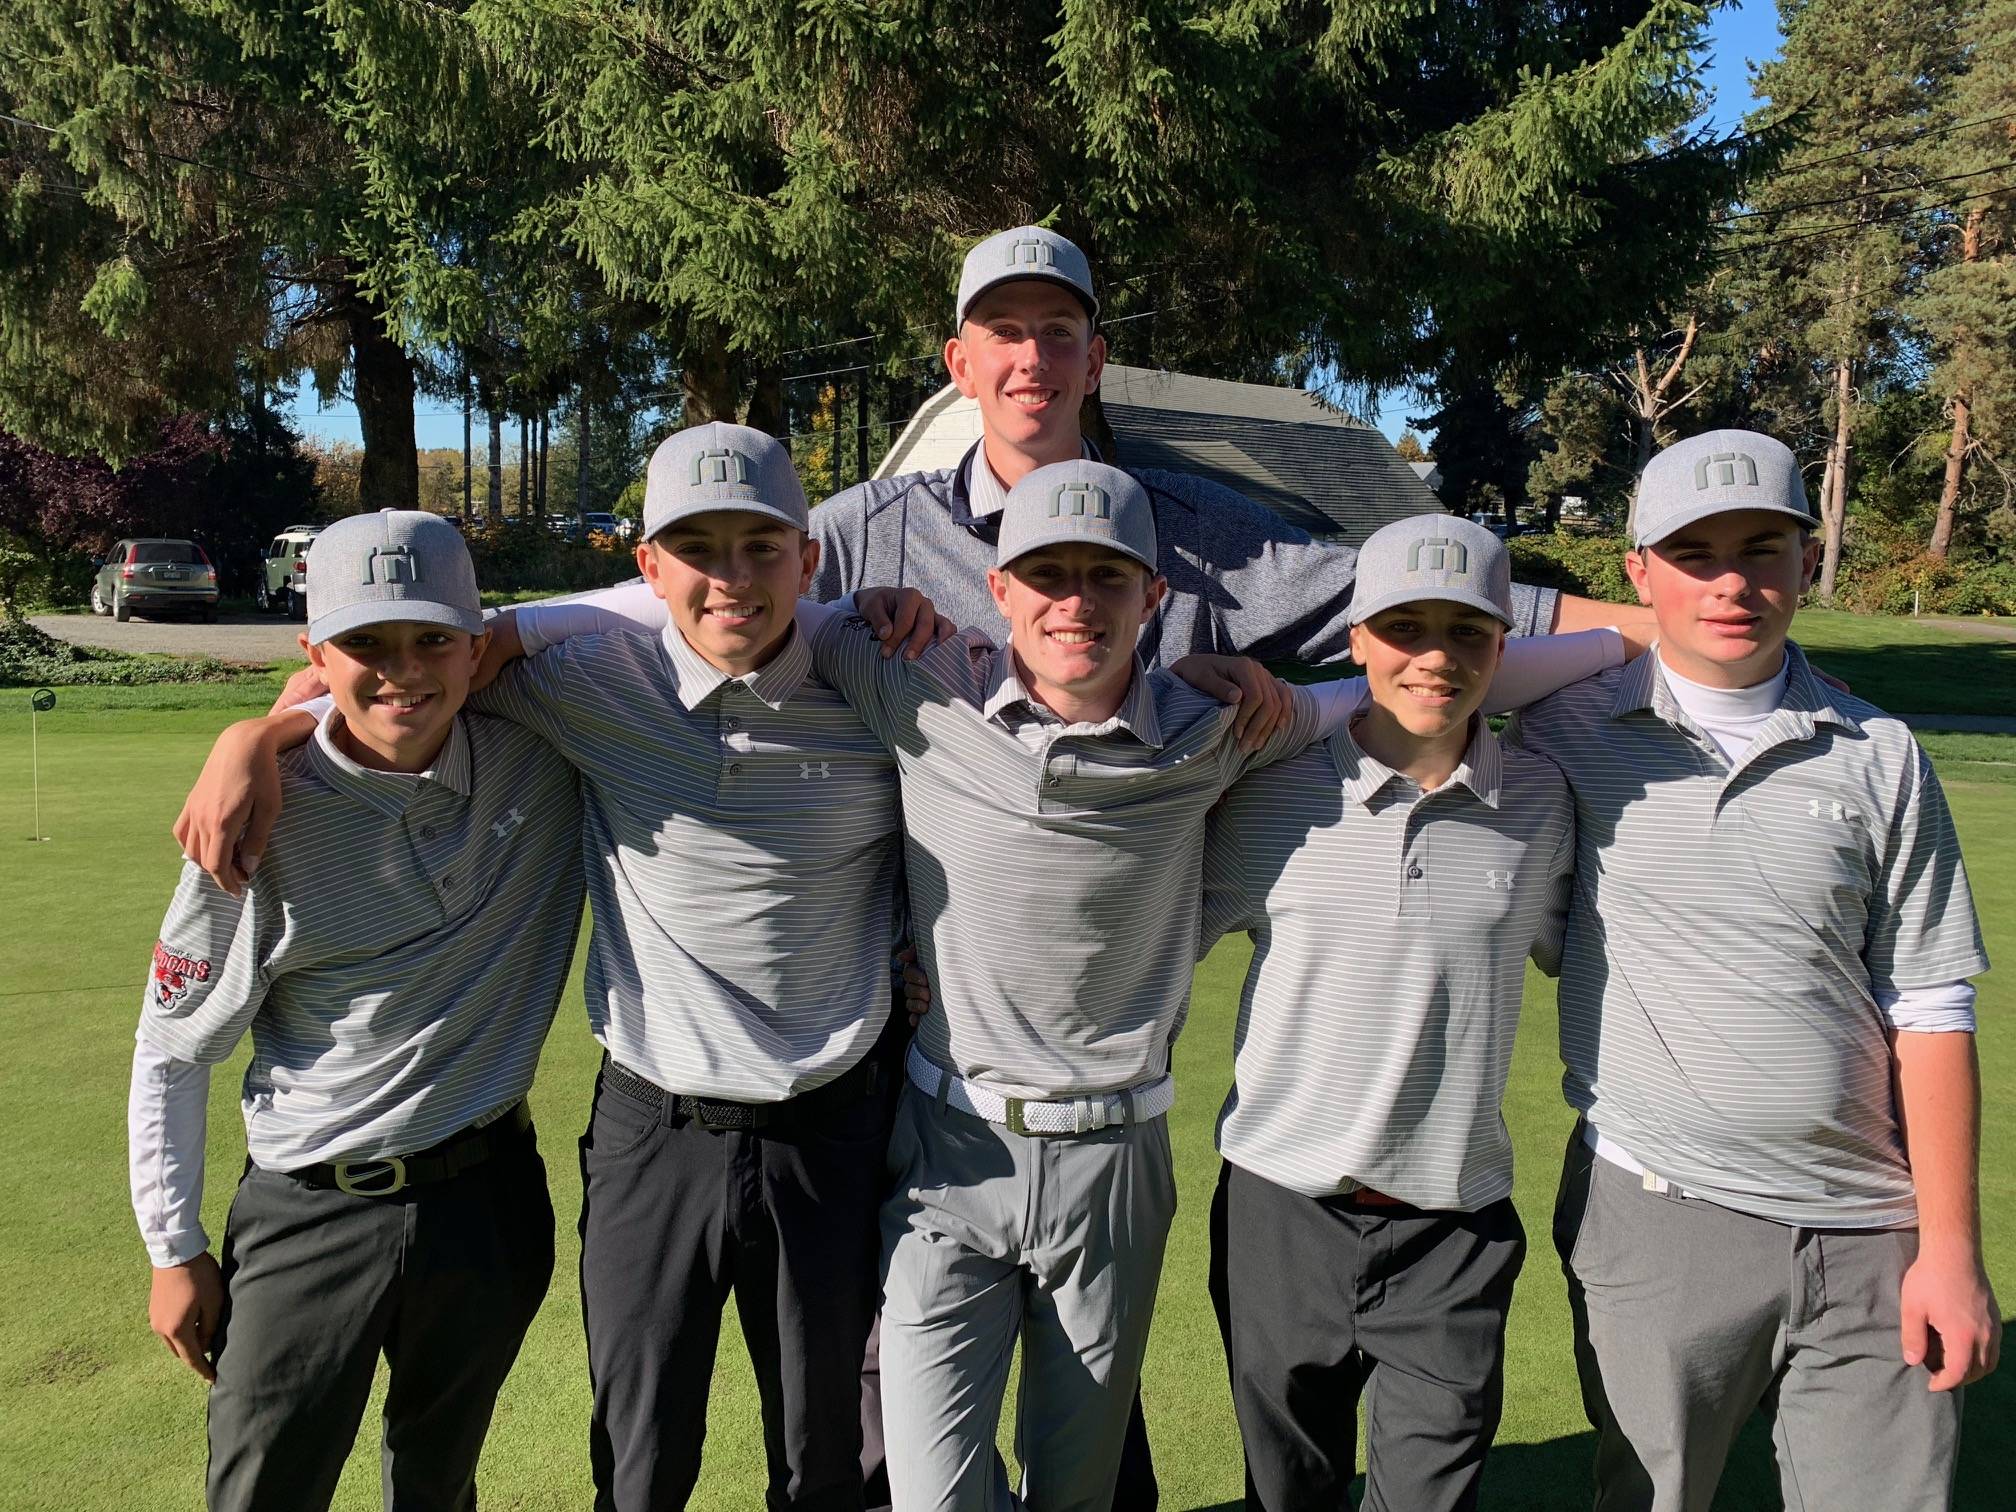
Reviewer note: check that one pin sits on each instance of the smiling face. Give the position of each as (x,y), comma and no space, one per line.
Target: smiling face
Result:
(398,686)
(1074,612)
(731,581)
(1028,356)
(1723,590)
(1428,665)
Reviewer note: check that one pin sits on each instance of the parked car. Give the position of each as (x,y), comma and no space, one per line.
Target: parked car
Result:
(155,575)
(603,524)
(283,580)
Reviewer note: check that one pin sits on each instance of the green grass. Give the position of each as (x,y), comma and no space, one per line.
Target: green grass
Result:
(94,1414)
(1909,667)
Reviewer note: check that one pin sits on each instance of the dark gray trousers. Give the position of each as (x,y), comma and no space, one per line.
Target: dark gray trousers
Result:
(674,1216)
(443,1278)
(1320,1301)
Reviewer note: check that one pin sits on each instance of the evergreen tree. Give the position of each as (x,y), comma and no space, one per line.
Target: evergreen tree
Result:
(1830,244)
(1968,308)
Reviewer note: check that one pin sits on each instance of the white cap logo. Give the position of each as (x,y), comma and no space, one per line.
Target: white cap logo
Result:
(1442,555)
(399,566)
(1723,474)
(715,467)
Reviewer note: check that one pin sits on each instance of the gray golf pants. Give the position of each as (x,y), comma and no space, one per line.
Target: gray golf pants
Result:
(1689,1316)
(991,1237)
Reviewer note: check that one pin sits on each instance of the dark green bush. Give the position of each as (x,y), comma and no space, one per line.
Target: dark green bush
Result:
(513,556)
(29,658)
(1591,565)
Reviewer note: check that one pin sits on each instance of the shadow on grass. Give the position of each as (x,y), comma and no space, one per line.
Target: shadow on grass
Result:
(1554,1475)
(1977,678)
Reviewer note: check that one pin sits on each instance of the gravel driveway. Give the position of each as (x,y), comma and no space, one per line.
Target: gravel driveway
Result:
(235,637)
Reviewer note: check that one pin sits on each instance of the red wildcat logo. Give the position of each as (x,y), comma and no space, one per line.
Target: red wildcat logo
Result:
(173,973)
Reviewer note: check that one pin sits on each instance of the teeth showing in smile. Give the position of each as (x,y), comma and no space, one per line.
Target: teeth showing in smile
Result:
(1029,400)
(403,700)
(1075,637)
(735,611)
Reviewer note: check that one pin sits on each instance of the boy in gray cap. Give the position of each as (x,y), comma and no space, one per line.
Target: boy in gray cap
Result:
(741,831)
(1394,879)
(1767,1029)
(397,959)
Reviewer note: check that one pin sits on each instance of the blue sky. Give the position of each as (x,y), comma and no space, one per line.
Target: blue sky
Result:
(1736,37)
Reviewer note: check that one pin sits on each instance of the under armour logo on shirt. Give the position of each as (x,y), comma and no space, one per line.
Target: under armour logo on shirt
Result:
(1719,470)
(1498,879)
(508,823)
(807,770)
(1830,808)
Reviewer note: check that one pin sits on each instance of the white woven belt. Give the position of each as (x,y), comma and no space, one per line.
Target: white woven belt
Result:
(1076,1115)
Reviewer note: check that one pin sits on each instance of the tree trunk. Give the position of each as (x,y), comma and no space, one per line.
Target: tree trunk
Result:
(493,501)
(1949,491)
(524,467)
(1956,449)
(861,428)
(1834,501)
(468,456)
(707,378)
(581,455)
(381,378)
(766,403)
(539,465)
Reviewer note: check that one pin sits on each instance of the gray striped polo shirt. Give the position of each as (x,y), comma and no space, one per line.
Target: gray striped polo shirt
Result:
(1731,929)
(742,855)
(1053,868)
(1391,929)
(398,956)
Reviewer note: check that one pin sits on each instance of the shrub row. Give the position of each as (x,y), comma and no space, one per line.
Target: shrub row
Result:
(29,658)
(510,557)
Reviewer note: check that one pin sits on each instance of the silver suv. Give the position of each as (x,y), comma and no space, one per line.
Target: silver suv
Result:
(283,575)
(152,575)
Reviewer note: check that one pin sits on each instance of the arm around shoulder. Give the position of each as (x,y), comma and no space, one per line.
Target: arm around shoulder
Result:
(228,817)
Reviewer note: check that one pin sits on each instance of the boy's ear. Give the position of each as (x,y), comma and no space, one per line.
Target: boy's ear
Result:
(809,565)
(1634,568)
(478,644)
(314,651)
(997,584)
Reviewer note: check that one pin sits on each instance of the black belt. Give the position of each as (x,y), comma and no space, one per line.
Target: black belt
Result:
(451,1157)
(871,1076)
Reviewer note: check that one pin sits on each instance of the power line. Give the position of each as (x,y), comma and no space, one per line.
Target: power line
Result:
(1816,232)
(1845,199)
(1922,134)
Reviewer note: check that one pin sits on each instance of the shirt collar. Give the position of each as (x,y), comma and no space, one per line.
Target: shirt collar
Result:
(773,683)
(1809,701)
(987,495)
(1481,771)
(389,792)
(1136,715)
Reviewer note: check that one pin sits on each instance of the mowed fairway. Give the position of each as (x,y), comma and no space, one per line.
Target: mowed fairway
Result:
(95,1414)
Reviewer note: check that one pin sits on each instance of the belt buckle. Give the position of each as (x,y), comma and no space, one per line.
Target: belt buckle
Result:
(393,1166)
(1017,1124)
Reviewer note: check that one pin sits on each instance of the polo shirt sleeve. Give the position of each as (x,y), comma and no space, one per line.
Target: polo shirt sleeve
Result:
(1922,930)
(1228,908)
(886,691)
(532,691)
(1286,595)
(209,974)
(1317,711)
(839,526)
(1546,951)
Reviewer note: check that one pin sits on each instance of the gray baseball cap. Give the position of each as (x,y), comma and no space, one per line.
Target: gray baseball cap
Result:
(721,466)
(1433,556)
(1079,500)
(397,564)
(1025,252)
(1717,473)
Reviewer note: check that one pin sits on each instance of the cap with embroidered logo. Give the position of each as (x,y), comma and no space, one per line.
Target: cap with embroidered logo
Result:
(1079,500)
(1719,472)
(720,466)
(396,564)
(1025,252)
(1433,556)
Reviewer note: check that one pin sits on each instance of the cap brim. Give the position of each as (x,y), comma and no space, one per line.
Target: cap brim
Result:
(389,611)
(1699,512)
(1023,276)
(687,511)
(1362,612)
(1066,537)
